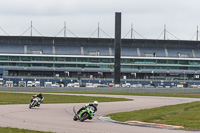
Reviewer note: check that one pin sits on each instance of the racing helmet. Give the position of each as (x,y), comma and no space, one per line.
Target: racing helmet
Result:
(40,94)
(95,103)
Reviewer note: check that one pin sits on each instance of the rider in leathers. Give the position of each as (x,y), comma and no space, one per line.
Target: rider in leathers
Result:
(38,98)
(94,104)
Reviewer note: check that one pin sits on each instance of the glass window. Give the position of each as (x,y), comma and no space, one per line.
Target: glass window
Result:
(23,64)
(172,61)
(103,66)
(192,62)
(47,65)
(59,65)
(172,67)
(69,59)
(91,65)
(104,60)
(13,58)
(183,68)
(81,59)
(138,61)
(3,57)
(127,61)
(161,61)
(124,66)
(70,65)
(193,68)
(47,59)
(147,61)
(94,60)
(61,59)
(25,58)
(37,59)
(4,64)
(37,64)
(149,67)
(184,62)
(161,67)
(81,65)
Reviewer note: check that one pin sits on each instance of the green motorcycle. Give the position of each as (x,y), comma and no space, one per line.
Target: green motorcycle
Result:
(84,114)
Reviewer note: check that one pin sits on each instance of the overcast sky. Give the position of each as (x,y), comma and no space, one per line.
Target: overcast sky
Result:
(82,17)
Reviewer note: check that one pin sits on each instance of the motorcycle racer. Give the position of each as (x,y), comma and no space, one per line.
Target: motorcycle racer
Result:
(37,99)
(94,105)
(40,97)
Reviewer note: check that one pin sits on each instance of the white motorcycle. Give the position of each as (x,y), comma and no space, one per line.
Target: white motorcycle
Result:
(35,101)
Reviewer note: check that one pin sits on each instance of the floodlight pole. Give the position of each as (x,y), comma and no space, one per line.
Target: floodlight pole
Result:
(31,28)
(197,33)
(131,31)
(65,29)
(164,31)
(117,46)
(98,30)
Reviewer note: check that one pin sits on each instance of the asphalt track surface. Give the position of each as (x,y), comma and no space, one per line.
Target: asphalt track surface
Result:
(59,117)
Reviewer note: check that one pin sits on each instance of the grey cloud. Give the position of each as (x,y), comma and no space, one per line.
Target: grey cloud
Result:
(82,16)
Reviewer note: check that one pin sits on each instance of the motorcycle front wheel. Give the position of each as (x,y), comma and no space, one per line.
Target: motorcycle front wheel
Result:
(30,105)
(75,118)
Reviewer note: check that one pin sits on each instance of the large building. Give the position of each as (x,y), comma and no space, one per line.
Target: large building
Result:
(67,57)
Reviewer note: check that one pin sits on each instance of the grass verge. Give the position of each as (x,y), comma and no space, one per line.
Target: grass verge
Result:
(186,115)
(16,130)
(186,95)
(21,98)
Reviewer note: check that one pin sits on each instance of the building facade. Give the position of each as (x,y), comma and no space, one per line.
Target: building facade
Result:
(22,56)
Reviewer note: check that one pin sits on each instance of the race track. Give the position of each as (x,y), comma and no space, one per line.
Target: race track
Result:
(59,117)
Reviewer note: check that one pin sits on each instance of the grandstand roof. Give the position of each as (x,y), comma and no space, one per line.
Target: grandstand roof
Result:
(98,41)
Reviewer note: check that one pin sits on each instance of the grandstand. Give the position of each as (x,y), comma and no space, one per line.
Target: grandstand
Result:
(144,59)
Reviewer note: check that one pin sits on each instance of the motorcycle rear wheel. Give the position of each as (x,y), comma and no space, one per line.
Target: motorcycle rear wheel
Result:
(84,117)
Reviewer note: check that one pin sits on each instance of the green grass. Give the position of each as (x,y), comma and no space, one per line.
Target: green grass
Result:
(16,130)
(21,98)
(16,98)
(186,115)
(187,95)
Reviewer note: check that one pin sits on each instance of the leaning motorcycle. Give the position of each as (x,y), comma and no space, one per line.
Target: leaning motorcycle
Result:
(84,114)
(35,101)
